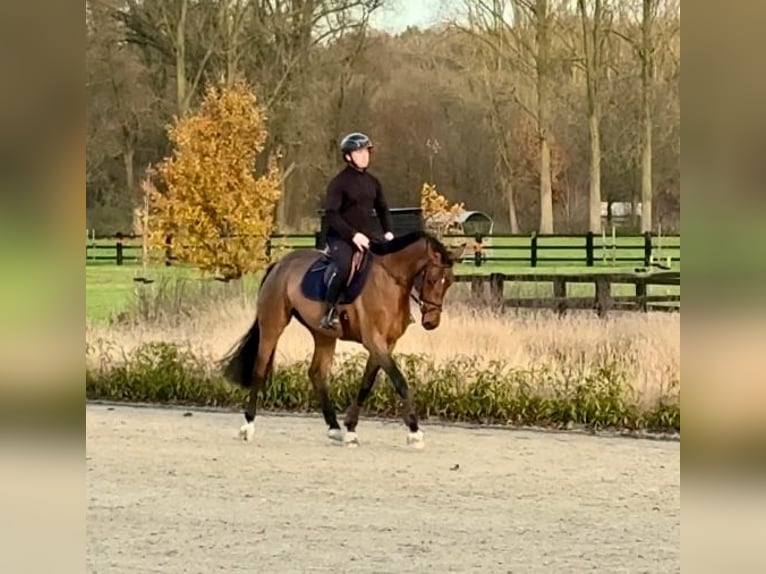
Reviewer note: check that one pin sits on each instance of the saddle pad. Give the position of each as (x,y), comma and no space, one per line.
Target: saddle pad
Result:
(314,282)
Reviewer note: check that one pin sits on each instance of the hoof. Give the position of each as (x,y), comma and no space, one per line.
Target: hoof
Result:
(351,440)
(335,434)
(416,439)
(247,432)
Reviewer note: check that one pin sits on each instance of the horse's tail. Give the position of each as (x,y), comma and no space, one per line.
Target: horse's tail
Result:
(239,362)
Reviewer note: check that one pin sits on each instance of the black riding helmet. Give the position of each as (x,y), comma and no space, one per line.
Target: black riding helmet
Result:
(354,142)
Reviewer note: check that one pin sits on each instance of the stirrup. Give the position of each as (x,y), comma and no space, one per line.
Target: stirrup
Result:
(330,319)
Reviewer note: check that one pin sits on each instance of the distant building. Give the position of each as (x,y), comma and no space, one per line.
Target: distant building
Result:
(621,215)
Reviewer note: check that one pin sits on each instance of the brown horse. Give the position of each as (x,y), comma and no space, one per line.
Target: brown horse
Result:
(376,317)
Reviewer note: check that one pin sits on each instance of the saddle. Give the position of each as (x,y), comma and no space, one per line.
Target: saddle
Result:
(316,279)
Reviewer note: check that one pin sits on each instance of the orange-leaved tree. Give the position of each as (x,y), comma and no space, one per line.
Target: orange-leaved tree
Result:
(439,215)
(218,213)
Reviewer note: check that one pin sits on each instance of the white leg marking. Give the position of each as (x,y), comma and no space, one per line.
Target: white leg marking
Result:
(335,434)
(351,440)
(416,439)
(247,431)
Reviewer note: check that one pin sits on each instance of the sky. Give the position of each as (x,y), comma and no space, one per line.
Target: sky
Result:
(398,14)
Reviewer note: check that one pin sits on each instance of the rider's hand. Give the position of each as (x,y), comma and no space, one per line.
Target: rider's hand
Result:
(361,241)
(388,236)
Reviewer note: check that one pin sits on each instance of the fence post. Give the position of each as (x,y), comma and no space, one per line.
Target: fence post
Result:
(477,287)
(478,250)
(647,248)
(496,282)
(118,247)
(589,249)
(641,293)
(560,293)
(168,250)
(603,295)
(533,247)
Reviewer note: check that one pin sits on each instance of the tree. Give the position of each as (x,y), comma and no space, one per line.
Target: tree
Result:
(439,215)
(218,213)
(645,46)
(173,28)
(647,84)
(594,36)
(520,31)
(473,88)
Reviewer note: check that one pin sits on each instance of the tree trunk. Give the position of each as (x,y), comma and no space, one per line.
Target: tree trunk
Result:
(282,211)
(543,116)
(546,191)
(595,173)
(180,49)
(512,217)
(129,170)
(593,44)
(646,117)
(231,65)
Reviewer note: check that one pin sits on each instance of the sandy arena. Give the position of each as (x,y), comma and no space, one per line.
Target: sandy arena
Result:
(169,493)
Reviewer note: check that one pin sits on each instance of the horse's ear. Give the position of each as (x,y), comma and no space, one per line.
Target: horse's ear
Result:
(456,251)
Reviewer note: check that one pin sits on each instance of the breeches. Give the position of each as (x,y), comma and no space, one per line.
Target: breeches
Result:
(342,254)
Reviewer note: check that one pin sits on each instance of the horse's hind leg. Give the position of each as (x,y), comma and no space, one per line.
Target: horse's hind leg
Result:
(272,323)
(324,351)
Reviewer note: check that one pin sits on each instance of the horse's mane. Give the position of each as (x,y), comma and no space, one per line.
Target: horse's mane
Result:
(400,242)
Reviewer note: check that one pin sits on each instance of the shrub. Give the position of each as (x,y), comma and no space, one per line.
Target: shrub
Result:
(454,391)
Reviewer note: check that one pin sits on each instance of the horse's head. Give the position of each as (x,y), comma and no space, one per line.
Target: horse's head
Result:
(434,280)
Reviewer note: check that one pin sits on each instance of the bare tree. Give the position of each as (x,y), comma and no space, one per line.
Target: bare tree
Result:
(122,107)
(492,70)
(595,24)
(647,85)
(171,27)
(323,71)
(644,46)
(234,42)
(520,32)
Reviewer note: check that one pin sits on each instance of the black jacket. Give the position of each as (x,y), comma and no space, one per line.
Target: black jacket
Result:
(351,197)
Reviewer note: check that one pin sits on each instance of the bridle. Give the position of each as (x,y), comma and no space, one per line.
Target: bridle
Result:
(419,299)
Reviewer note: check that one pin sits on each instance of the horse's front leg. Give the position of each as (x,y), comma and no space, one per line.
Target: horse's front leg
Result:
(352,415)
(415,437)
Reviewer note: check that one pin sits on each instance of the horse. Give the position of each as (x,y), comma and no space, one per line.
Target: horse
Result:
(374,310)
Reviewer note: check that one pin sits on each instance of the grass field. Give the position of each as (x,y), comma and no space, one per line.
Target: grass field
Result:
(111,289)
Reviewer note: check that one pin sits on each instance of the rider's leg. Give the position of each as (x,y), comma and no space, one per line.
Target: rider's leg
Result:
(341,253)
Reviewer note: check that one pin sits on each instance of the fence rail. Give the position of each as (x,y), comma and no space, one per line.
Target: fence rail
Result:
(529,251)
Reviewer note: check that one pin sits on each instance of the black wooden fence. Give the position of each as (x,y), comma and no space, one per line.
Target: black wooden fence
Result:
(521,251)
(584,250)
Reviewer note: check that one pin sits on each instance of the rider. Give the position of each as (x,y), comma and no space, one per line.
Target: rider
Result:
(351,197)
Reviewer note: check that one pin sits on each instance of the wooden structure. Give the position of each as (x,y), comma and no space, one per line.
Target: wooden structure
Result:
(602,302)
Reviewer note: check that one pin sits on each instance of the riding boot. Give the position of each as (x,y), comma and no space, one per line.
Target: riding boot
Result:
(334,288)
